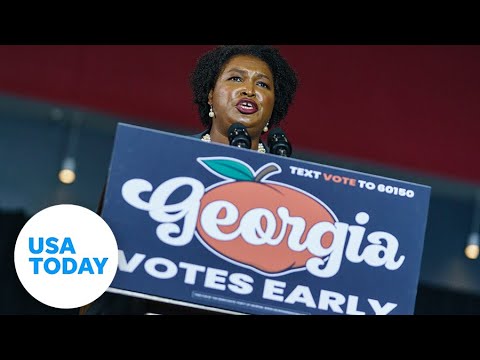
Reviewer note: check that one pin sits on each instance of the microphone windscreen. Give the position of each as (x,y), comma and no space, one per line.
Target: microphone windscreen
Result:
(239,136)
(274,135)
(278,143)
(235,127)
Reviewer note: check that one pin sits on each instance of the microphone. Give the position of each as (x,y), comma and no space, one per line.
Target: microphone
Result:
(238,136)
(278,143)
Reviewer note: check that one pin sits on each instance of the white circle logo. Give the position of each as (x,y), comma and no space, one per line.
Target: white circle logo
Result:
(66,256)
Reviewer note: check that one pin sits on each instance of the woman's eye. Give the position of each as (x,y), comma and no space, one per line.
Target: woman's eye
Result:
(262,84)
(235,78)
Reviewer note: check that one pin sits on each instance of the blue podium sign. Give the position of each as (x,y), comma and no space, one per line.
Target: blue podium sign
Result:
(232,230)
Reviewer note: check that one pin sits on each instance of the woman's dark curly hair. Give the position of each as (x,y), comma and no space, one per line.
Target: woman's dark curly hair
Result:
(210,65)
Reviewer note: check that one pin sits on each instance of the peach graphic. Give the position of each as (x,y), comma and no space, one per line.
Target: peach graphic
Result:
(248,192)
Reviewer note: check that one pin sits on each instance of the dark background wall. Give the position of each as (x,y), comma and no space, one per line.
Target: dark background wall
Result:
(415,107)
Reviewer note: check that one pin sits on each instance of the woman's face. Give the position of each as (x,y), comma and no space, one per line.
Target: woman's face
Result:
(243,93)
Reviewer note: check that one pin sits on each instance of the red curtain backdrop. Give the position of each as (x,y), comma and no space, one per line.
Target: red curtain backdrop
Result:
(412,107)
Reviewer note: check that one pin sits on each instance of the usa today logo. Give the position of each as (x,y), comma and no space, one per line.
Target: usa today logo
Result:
(66,256)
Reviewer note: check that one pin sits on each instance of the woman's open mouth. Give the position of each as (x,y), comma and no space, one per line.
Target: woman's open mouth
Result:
(247,106)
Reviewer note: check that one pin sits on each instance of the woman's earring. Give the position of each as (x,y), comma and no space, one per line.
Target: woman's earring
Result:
(265,129)
(211,113)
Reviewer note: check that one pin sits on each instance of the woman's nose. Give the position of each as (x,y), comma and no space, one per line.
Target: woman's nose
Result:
(249,89)
(248,92)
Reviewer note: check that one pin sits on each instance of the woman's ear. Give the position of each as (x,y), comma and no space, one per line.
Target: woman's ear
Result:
(210,97)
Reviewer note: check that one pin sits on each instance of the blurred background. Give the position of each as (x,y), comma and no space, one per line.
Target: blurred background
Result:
(407,112)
